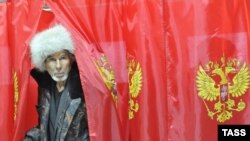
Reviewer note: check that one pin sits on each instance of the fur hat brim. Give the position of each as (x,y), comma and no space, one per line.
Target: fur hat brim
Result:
(48,42)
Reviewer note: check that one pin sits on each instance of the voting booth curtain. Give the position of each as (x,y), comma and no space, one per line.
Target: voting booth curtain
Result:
(163,70)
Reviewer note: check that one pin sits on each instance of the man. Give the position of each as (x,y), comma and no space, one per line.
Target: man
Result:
(61,105)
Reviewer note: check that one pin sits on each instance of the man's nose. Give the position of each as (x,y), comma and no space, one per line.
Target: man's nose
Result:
(58,65)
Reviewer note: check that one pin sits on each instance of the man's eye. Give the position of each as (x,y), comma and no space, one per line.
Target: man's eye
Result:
(51,59)
(62,58)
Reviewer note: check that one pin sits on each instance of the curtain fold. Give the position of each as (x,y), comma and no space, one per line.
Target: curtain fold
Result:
(6,84)
(146,58)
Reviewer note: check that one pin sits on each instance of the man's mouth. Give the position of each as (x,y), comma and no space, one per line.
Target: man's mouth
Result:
(59,75)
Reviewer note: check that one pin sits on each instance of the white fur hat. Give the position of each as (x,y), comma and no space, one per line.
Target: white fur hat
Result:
(48,42)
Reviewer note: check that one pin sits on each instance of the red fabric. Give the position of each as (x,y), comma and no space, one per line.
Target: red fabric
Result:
(144,36)
(98,24)
(6,84)
(156,39)
(199,33)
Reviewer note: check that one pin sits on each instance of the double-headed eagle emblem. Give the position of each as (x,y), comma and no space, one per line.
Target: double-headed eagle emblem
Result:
(135,86)
(223,84)
(134,80)
(107,73)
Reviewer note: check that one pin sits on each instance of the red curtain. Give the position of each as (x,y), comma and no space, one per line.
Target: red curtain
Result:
(6,84)
(91,36)
(149,70)
(144,35)
(107,29)
(208,47)
(22,22)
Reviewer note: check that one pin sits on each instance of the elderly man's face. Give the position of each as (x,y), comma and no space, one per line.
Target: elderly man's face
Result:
(58,65)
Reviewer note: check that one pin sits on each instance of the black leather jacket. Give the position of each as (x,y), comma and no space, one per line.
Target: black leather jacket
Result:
(71,124)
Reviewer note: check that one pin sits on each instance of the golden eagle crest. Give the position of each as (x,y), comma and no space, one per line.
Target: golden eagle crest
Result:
(135,86)
(222,85)
(16,93)
(108,76)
